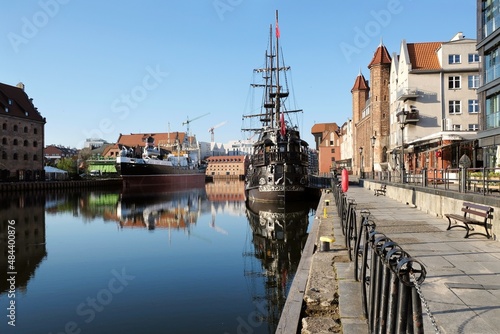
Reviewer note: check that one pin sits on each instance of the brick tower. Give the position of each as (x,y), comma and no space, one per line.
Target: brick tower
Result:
(380,71)
(360,95)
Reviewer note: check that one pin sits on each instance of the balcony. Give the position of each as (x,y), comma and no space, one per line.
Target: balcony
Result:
(412,117)
(407,93)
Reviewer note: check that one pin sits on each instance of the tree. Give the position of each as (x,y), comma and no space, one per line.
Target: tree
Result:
(67,164)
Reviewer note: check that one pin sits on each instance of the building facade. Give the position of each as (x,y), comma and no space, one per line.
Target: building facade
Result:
(22,135)
(370,107)
(434,85)
(227,167)
(327,139)
(488,46)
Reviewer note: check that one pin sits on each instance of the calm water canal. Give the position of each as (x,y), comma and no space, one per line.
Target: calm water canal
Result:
(103,261)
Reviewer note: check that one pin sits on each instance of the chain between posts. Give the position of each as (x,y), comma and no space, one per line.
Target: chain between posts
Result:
(424,302)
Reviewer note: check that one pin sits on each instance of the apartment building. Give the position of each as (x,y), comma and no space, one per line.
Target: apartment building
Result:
(433,85)
(488,46)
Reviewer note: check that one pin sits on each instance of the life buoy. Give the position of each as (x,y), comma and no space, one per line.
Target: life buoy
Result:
(345,180)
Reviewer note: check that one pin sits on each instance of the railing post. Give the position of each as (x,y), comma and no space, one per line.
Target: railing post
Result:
(463,180)
(424,177)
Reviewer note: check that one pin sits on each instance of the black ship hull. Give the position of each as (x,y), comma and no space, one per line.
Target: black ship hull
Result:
(139,173)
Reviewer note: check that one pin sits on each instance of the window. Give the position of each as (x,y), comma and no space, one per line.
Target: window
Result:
(35,157)
(489,16)
(14,156)
(14,142)
(25,143)
(454,59)
(473,127)
(473,81)
(492,112)
(332,150)
(10,102)
(454,107)
(6,109)
(4,141)
(25,156)
(491,65)
(473,58)
(4,126)
(25,129)
(35,130)
(35,143)
(473,106)
(454,82)
(4,155)
(457,127)
(15,128)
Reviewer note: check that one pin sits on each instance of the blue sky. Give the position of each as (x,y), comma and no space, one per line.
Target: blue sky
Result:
(100,68)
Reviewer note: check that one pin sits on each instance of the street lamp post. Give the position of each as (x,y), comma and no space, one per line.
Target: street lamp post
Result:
(402,123)
(373,156)
(361,162)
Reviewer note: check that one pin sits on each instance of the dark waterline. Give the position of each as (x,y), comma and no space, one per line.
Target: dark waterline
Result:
(197,261)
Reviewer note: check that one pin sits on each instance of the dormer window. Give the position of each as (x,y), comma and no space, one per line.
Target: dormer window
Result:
(10,102)
(6,109)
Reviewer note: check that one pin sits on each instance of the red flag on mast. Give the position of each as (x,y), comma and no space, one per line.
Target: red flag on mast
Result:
(277,29)
(282,123)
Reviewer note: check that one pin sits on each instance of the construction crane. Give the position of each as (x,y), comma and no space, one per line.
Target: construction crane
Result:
(211,130)
(188,121)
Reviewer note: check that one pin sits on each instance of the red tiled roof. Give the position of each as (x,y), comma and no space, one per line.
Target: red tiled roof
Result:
(18,103)
(360,83)
(423,56)
(381,56)
(139,139)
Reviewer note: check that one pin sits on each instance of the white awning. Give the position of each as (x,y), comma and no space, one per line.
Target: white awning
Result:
(445,135)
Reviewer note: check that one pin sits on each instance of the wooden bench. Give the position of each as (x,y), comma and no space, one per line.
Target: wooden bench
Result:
(381,190)
(480,215)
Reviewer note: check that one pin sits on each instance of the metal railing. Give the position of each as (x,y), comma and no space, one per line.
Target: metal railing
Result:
(485,181)
(390,278)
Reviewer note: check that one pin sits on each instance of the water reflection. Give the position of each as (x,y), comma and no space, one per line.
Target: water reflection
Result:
(25,215)
(162,210)
(69,242)
(279,233)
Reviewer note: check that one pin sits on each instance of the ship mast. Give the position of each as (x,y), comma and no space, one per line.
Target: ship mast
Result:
(278,88)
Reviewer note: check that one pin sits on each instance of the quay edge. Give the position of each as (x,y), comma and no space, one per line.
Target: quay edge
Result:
(312,304)
(54,185)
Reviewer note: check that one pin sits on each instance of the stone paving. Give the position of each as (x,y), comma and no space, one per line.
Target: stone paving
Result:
(462,286)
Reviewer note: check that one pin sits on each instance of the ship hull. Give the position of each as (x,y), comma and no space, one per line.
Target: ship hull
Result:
(138,173)
(278,169)
(276,194)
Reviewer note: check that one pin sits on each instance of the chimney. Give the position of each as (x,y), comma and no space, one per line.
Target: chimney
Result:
(20,85)
(458,36)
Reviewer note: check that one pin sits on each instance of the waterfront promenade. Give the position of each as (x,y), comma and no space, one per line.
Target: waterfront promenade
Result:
(462,286)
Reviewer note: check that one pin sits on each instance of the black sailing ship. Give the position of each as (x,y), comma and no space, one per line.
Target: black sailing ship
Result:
(278,169)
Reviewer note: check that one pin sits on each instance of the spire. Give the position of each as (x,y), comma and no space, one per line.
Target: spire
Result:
(381,56)
(360,83)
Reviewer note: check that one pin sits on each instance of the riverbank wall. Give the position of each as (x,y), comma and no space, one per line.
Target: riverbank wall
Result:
(55,185)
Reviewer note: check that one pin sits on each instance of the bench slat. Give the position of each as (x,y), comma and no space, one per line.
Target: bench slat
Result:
(475,212)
